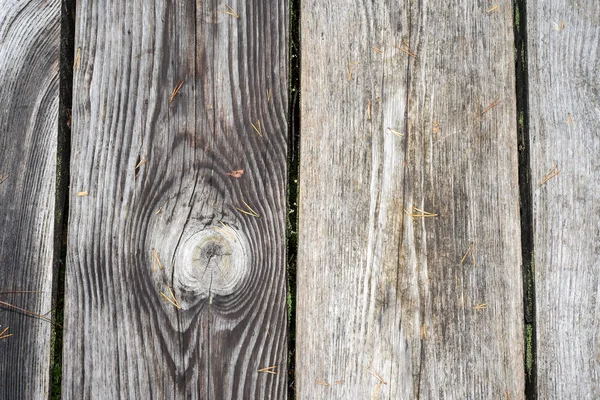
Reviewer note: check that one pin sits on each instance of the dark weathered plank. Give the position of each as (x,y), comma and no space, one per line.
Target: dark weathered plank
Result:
(564,98)
(156,176)
(29,63)
(378,289)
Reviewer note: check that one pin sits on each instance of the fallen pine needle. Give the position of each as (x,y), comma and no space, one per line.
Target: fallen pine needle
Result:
(423,331)
(250,210)
(257,128)
(171,300)
(3,178)
(230,12)
(142,162)
(77,62)
(493,104)
(226,230)
(375,374)
(321,382)
(480,306)
(4,335)
(339,382)
(368,110)
(268,95)
(349,70)
(551,174)
(570,119)
(24,311)
(376,49)
(82,194)
(469,251)
(407,50)
(269,370)
(156,261)
(176,90)
(422,213)
(493,8)
(395,132)
(375,394)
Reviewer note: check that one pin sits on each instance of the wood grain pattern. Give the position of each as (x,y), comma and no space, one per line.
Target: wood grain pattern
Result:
(155,167)
(564,98)
(379,290)
(29,64)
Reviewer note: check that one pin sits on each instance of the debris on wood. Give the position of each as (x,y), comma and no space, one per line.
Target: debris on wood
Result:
(471,252)
(493,104)
(368,110)
(268,95)
(269,370)
(230,11)
(339,382)
(156,261)
(77,61)
(493,8)
(418,213)
(257,128)
(377,49)
(237,173)
(436,126)
(24,311)
(82,194)
(551,174)
(507,395)
(395,132)
(349,70)
(3,178)
(570,119)
(172,299)
(321,382)
(375,394)
(406,49)
(480,306)
(136,169)
(176,90)
(250,211)
(4,335)
(559,27)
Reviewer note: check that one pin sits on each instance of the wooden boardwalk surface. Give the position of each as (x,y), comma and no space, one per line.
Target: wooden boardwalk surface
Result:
(437,175)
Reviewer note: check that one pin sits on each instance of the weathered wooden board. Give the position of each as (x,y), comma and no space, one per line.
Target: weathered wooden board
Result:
(29,65)
(564,100)
(378,290)
(161,211)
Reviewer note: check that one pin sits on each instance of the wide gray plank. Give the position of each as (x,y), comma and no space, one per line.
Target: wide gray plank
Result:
(564,99)
(29,64)
(380,291)
(155,169)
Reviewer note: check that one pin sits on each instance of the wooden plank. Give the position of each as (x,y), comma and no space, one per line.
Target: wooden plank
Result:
(29,65)
(564,99)
(408,106)
(161,210)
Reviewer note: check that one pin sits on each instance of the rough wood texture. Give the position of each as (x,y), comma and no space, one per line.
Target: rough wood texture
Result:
(123,338)
(378,289)
(29,63)
(564,98)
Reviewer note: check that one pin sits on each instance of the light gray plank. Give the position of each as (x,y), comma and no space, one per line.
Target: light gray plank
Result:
(564,98)
(378,289)
(29,64)
(123,339)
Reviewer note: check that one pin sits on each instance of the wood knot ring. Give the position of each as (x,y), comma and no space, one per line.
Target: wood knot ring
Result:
(210,263)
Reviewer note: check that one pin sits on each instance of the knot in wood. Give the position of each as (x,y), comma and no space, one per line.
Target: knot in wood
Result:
(210,263)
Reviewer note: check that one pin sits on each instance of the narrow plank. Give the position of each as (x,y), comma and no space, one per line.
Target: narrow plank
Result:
(381,292)
(564,99)
(29,82)
(161,210)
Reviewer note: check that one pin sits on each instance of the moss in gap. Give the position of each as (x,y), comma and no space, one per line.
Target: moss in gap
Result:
(517,18)
(529,349)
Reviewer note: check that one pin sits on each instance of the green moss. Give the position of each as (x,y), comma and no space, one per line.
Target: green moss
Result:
(517,18)
(529,349)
